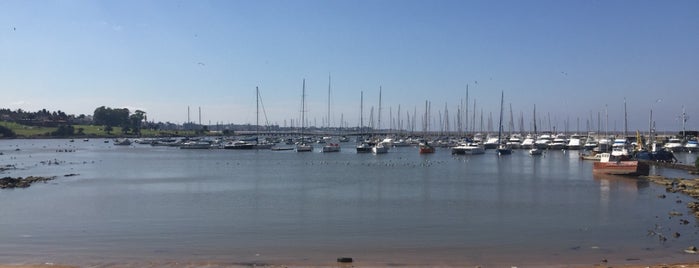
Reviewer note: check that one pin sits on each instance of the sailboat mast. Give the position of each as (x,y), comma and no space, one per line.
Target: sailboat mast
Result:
(466,111)
(361,111)
(257,112)
(535,121)
(303,106)
(379,121)
(502,97)
(329,101)
(626,128)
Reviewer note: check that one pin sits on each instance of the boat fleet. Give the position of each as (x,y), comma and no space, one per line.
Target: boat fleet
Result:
(478,143)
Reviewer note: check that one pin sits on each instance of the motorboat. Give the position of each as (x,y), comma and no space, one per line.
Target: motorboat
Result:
(543,141)
(304,147)
(559,142)
(535,151)
(674,145)
(331,147)
(239,145)
(363,147)
(468,148)
(380,148)
(196,145)
(620,148)
(491,143)
(590,143)
(528,142)
(574,143)
(515,141)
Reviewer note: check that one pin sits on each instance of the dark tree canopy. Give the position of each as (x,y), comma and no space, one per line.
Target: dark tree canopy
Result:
(6,132)
(111,117)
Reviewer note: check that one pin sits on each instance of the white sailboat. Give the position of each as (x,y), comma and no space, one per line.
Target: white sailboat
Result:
(363,146)
(503,148)
(264,144)
(381,147)
(303,146)
(535,150)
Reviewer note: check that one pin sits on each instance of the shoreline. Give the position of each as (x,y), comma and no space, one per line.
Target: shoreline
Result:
(341,265)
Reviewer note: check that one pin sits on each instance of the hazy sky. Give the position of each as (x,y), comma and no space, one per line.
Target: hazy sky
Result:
(570,58)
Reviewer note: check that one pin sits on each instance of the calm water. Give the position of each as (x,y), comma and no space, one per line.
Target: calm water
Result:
(142,204)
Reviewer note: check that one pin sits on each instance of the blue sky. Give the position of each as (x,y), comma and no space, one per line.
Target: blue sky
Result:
(570,58)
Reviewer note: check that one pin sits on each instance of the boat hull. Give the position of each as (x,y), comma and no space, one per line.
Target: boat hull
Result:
(240,147)
(426,150)
(331,149)
(362,149)
(630,168)
(467,150)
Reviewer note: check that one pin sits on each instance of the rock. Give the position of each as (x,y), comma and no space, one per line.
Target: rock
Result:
(344,260)
(19,182)
(675,213)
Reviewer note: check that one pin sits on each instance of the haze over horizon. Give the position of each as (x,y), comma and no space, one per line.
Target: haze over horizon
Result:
(572,59)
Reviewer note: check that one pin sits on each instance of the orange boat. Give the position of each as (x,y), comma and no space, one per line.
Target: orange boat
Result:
(619,167)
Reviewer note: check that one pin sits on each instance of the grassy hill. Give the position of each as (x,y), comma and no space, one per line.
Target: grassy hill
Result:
(23,131)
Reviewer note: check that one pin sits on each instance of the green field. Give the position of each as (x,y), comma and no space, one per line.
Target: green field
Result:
(24,131)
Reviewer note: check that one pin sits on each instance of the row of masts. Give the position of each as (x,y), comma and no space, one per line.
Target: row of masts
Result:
(466,120)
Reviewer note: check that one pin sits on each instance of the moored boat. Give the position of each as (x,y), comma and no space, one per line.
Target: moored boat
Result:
(304,147)
(196,145)
(364,147)
(535,151)
(574,143)
(331,147)
(122,142)
(691,146)
(239,145)
(425,148)
(607,165)
(674,144)
(380,148)
(468,148)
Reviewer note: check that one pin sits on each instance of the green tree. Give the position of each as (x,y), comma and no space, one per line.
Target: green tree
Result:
(111,117)
(108,129)
(6,132)
(64,130)
(136,120)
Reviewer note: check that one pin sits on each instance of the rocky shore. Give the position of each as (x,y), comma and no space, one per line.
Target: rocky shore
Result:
(689,187)
(19,182)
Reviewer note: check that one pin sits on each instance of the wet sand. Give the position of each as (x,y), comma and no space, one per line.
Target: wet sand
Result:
(338,265)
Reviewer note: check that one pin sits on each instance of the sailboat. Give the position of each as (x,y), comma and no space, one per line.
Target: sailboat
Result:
(363,146)
(258,144)
(534,150)
(503,148)
(330,147)
(380,147)
(302,146)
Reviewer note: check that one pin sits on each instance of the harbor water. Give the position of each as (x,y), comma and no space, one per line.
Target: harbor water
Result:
(141,204)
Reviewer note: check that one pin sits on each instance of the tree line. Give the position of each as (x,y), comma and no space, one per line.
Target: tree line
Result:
(119,117)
